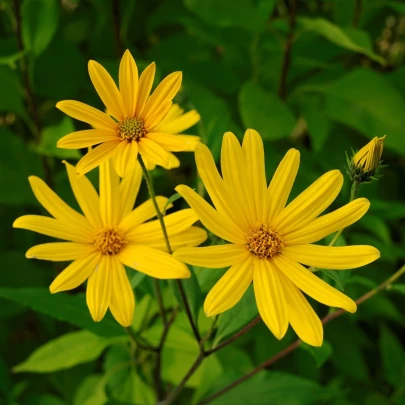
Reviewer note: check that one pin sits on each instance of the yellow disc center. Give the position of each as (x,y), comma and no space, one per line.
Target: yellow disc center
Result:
(263,242)
(131,129)
(109,242)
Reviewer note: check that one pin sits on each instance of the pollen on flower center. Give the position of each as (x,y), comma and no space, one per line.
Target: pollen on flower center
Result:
(131,129)
(109,242)
(263,242)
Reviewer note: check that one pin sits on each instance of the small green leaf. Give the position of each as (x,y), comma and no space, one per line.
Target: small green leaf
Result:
(64,352)
(398,287)
(320,354)
(170,201)
(91,391)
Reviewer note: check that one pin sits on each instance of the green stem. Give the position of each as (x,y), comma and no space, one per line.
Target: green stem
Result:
(139,341)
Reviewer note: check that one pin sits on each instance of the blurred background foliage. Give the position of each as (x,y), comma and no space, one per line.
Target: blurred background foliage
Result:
(323,76)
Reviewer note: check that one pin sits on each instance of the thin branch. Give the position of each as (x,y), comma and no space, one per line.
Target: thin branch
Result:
(282,90)
(159,296)
(358,7)
(140,342)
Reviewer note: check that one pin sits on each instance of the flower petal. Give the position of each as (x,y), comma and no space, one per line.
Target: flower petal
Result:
(99,288)
(212,219)
(230,288)
(310,284)
(60,251)
(165,91)
(122,303)
(153,262)
(253,153)
(178,124)
(144,87)
(106,89)
(212,256)
(128,79)
(191,141)
(301,315)
(86,196)
(156,118)
(173,162)
(85,113)
(332,257)
(329,223)
(96,156)
(53,227)
(141,214)
(109,195)
(168,142)
(125,157)
(86,138)
(310,203)
(270,299)
(153,152)
(129,188)
(76,273)
(282,183)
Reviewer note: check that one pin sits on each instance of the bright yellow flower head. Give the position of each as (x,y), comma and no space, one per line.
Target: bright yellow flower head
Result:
(136,121)
(108,236)
(269,240)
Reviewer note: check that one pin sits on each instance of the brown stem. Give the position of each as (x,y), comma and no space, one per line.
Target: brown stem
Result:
(385,285)
(357,12)
(117,30)
(282,90)
(159,296)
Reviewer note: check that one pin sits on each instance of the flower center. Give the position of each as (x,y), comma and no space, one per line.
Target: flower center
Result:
(263,242)
(131,129)
(109,242)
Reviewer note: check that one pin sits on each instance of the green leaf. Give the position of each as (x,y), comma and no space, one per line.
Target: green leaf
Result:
(40,22)
(346,39)
(50,136)
(237,317)
(398,287)
(89,392)
(393,357)
(63,307)
(368,102)
(378,227)
(319,354)
(265,113)
(65,352)
(11,95)
(171,200)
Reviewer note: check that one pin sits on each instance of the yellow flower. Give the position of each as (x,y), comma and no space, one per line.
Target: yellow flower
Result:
(268,239)
(136,122)
(108,236)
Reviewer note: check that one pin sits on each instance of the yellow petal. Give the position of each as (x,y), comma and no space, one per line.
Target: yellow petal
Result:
(328,257)
(153,152)
(125,157)
(213,256)
(96,156)
(270,299)
(175,223)
(310,203)
(313,286)
(156,118)
(164,92)
(173,162)
(76,273)
(109,195)
(175,111)
(168,142)
(86,196)
(141,214)
(106,89)
(253,153)
(122,303)
(129,188)
(329,223)
(60,251)
(85,113)
(191,141)
(53,227)
(56,206)
(192,236)
(212,219)
(144,87)
(128,79)
(98,294)
(218,190)
(230,288)
(176,124)
(233,169)
(86,138)
(282,183)
(301,315)
(153,262)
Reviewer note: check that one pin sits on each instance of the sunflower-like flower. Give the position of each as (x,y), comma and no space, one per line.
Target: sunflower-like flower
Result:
(108,236)
(136,122)
(270,241)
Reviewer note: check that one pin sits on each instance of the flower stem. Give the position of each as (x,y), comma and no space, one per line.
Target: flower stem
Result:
(139,341)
